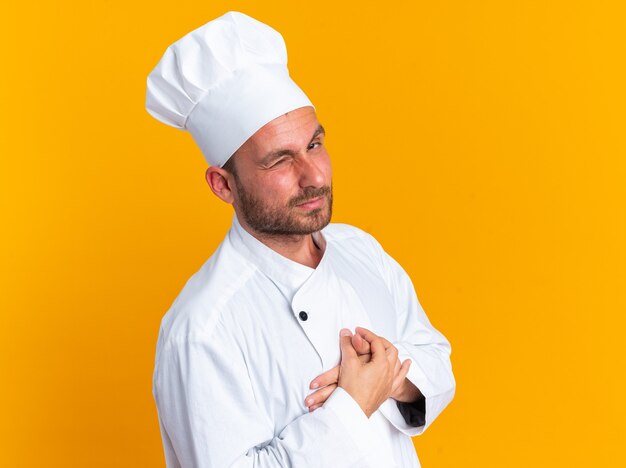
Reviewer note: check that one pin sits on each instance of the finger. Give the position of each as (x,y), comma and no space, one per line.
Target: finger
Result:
(313,408)
(392,355)
(319,397)
(401,375)
(369,336)
(347,350)
(378,350)
(404,369)
(360,345)
(397,367)
(365,358)
(326,378)
(366,334)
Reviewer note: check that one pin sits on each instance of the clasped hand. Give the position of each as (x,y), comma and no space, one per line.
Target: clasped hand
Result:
(369,371)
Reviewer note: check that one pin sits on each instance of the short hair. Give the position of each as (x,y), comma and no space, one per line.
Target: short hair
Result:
(229,166)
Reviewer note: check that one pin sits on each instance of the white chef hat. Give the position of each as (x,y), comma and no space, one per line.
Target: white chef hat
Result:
(223,82)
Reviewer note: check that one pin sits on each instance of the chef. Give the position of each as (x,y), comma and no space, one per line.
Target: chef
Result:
(299,342)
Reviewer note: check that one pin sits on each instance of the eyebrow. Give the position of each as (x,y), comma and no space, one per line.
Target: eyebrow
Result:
(318,131)
(269,157)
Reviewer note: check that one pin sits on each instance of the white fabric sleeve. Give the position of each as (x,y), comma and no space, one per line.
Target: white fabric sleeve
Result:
(210,419)
(428,349)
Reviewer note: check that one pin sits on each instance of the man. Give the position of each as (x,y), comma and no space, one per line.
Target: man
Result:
(257,363)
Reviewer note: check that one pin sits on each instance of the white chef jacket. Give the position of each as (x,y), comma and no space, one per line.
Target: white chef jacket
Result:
(235,357)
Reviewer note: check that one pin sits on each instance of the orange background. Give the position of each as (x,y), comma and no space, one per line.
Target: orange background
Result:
(481,142)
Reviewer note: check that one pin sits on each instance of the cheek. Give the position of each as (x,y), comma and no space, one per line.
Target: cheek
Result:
(327,167)
(278,187)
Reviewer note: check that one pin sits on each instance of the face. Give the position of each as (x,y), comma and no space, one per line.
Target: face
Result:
(282,182)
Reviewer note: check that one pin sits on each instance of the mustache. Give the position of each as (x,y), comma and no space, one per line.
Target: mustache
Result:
(309,193)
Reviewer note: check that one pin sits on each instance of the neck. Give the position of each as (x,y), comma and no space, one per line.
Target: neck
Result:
(298,248)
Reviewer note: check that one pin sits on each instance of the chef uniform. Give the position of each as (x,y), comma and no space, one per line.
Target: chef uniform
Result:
(251,329)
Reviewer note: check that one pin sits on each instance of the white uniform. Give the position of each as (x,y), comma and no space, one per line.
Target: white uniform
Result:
(250,330)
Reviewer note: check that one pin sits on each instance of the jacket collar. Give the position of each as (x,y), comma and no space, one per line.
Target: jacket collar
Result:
(286,274)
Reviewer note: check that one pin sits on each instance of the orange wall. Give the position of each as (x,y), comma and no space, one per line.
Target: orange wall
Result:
(481,142)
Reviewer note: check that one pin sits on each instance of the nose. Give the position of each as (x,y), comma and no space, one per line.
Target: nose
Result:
(311,172)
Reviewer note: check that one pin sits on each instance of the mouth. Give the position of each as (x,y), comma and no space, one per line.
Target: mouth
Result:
(312,204)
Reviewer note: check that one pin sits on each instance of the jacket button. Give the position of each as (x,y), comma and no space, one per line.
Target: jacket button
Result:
(303,315)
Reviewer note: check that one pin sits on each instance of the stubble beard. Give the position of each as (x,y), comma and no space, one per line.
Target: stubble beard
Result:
(285,221)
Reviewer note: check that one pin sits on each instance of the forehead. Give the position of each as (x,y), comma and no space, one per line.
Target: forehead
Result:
(292,130)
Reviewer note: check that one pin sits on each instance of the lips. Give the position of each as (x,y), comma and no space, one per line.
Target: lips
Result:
(312,203)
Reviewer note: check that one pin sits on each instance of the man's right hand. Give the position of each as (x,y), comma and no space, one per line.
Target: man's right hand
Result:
(368,383)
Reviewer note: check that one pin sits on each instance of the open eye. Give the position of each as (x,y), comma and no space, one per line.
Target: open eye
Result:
(314,144)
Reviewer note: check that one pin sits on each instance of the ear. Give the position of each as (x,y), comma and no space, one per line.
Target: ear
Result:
(220,182)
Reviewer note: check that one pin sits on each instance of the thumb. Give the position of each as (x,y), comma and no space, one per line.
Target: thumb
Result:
(345,340)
